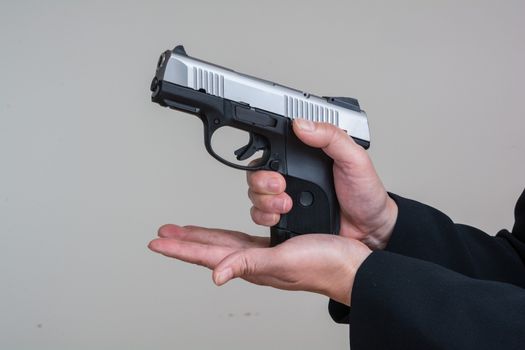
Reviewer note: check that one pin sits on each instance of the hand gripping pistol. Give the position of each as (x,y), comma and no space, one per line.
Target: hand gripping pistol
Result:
(221,97)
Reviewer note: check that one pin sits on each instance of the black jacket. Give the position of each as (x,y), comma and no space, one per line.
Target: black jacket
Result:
(440,285)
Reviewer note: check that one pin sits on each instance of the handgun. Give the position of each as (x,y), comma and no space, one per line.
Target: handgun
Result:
(221,97)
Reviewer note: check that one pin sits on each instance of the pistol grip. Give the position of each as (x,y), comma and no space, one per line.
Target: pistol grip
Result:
(315,210)
(310,184)
(279,235)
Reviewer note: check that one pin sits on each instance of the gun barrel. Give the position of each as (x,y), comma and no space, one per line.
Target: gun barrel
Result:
(177,67)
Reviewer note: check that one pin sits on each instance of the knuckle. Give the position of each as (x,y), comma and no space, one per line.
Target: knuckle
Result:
(263,218)
(262,201)
(281,203)
(267,182)
(282,183)
(265,202)
(246,265)
(250,196)
(251,177)
(259,182)
(360,156)
(254,213)
(331,134)
(338,135)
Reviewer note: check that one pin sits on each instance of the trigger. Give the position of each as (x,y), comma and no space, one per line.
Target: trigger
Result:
(256,143)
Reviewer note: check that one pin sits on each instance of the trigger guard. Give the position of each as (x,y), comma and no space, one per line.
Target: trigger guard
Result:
(262,163)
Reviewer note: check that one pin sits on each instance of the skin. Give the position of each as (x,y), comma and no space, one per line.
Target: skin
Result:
(319,263)
(368,214)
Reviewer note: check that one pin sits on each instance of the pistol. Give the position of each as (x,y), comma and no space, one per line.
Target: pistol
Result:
(264,110)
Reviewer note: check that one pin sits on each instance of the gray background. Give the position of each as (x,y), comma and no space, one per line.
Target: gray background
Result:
(89,168)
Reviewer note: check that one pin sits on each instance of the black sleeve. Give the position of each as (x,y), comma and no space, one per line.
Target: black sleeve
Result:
(400,302)
(487,270)
(425,233)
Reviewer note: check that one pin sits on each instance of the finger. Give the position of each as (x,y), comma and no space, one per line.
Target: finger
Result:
(218,237)
(191,252)
(266,182)
(263,218)
(271,203)
(246,263)
(334,141)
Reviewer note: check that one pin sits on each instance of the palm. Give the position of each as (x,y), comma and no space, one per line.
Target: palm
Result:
(315,262)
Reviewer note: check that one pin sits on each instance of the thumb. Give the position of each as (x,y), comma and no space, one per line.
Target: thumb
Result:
(335,142)
(242,263)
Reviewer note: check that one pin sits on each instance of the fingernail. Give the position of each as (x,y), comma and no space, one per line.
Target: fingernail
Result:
(153,245)
(224,276)
(279,204)
(305,124)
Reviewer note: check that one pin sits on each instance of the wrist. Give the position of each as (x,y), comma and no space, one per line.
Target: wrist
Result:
(341,288)
(378,239)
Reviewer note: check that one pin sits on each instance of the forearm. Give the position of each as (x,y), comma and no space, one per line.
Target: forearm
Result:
(425,233)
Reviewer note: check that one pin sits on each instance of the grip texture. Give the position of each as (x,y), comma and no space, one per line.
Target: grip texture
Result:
(310,184)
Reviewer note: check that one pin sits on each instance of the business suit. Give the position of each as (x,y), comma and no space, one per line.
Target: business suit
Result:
(440,285)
